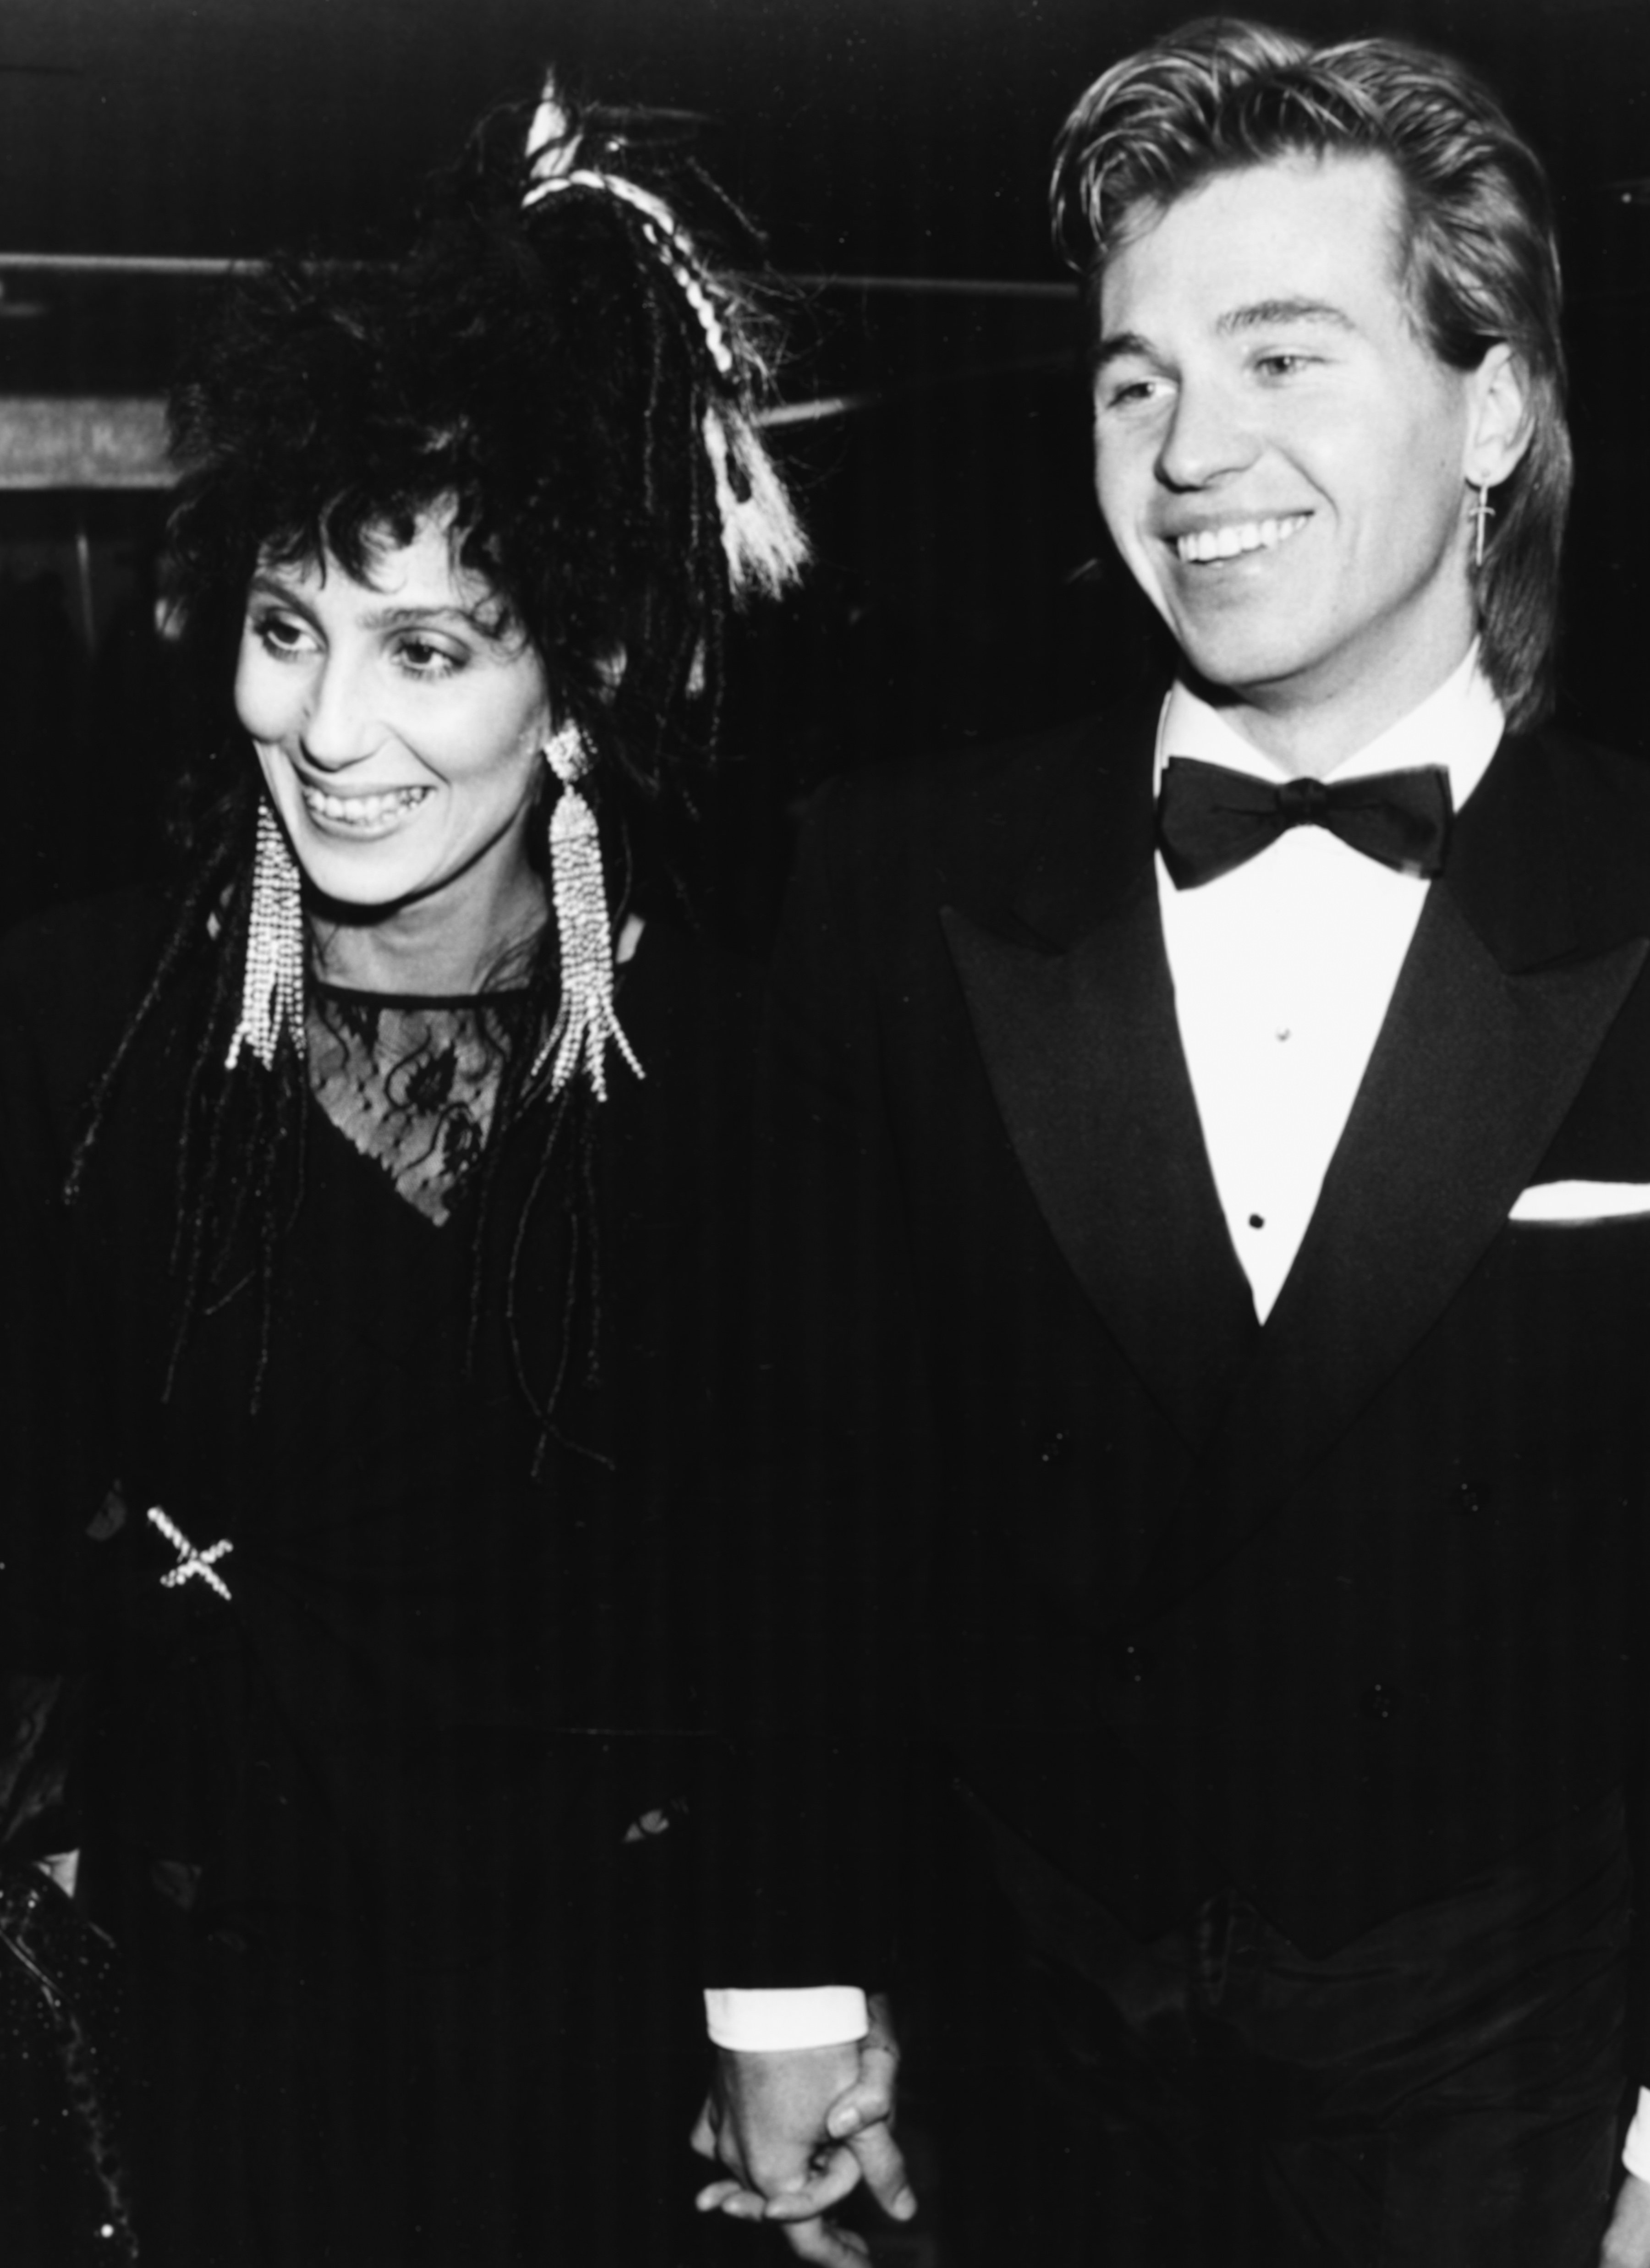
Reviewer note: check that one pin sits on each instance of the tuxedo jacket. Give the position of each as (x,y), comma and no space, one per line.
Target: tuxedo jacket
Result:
(1337,1611)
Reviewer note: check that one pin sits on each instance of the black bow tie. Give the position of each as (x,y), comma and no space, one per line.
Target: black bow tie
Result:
(1210,819)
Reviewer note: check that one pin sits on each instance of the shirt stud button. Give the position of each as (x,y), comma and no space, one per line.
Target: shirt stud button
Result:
(1378,1703)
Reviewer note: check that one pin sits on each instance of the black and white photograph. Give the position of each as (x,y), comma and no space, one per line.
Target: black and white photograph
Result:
(824,1134)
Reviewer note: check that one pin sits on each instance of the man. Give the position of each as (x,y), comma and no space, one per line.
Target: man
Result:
(1257,1159)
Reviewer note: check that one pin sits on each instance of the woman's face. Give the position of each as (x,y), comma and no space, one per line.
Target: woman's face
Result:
(399,730)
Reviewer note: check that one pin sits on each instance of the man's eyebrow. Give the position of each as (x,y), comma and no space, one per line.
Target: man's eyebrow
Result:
(1256,315)
(1122,343)
(1263,314)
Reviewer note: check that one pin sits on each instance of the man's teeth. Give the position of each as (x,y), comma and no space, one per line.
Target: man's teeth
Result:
(364,810)
(1243,535)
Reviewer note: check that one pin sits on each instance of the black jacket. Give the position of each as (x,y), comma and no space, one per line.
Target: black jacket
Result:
(1335,1611)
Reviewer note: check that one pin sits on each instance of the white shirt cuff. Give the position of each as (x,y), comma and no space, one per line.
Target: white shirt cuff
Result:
(1635,2151)
(809,2016)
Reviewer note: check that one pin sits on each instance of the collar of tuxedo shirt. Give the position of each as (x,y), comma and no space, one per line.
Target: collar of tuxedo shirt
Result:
(1459,728)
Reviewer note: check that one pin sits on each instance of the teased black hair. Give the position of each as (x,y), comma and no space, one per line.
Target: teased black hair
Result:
(545,377)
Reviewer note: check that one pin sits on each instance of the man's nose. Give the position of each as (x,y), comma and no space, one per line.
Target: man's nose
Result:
(1207,436)
(339,724)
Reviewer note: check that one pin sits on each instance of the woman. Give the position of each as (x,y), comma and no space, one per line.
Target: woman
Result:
(355,1394)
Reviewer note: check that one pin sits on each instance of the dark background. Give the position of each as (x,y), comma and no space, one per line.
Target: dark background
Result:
(900,143)
(904,142)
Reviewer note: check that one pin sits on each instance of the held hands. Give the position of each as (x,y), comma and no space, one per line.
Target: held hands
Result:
(797,2130)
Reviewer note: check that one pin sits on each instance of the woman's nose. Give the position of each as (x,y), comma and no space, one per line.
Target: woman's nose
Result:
(338,725)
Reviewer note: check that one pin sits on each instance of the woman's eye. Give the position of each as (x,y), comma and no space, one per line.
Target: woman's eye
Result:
(423,657)
(280,636)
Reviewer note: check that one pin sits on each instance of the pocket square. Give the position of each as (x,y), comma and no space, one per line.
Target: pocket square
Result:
(1576,1203)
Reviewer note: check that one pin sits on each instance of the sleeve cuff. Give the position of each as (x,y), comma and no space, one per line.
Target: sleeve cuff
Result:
(812,2017)
(1635,2151)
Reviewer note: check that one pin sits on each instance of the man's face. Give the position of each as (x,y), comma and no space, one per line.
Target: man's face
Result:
(1279,456)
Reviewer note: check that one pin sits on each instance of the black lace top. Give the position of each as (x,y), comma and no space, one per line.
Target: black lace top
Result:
(411,1082)
(425,1649)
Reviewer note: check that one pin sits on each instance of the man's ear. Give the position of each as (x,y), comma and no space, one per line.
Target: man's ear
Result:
(1499,420)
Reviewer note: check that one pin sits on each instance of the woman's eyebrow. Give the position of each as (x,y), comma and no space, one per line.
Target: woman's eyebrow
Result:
(396,618)
(266,584)
(269,584)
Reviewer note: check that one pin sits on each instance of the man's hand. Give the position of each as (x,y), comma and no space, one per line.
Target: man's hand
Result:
(799,2129)
(1627,2239)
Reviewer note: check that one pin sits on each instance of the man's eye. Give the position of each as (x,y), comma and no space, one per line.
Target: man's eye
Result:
(1130,392)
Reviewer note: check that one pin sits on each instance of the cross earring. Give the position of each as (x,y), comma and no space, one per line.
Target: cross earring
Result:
(1481,515)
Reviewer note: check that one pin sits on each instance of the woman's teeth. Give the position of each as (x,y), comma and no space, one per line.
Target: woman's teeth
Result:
(1242,535)
(363,811)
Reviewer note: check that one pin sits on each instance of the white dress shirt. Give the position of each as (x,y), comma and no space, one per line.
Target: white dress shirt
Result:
(1284,970)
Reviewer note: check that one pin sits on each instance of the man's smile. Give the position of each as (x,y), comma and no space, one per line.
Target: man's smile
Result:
(1236,537)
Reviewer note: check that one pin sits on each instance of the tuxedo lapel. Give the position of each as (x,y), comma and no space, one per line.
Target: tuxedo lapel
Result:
(1084,1058)
(1484,1049)
(1473,1072)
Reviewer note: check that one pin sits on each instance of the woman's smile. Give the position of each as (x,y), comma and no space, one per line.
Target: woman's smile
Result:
(400,721)
(363,811)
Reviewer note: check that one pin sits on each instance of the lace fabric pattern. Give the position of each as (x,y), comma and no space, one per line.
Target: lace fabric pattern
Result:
(412,1083)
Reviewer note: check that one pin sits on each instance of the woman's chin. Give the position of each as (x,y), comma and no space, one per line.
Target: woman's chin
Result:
(363,880)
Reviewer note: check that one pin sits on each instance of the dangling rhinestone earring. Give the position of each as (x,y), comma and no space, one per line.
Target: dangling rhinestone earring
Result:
(1482,513)
(272,985)
(585,1024)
